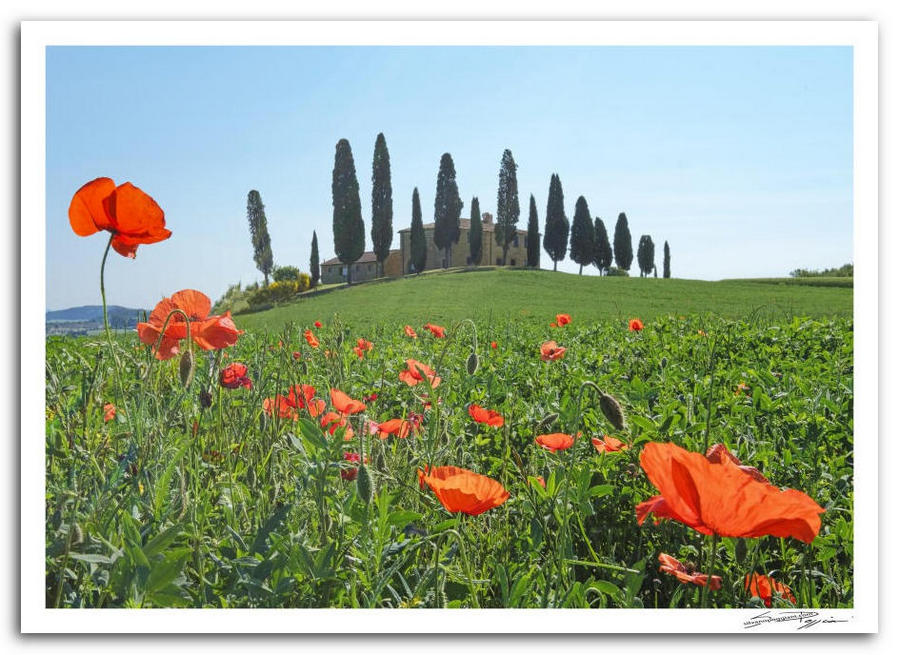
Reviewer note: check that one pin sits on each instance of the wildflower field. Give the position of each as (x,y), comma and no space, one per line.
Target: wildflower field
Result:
(672,461)
(198,496)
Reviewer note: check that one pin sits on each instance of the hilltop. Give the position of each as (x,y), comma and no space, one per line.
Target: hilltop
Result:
(537,295)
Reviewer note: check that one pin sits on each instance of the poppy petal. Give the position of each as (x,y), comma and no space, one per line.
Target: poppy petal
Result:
(195,304)
(135,213)
(87,214)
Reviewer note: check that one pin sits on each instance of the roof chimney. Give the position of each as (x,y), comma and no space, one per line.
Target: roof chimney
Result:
(486,217)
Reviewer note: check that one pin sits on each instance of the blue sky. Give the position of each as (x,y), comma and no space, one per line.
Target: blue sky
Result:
(740,157)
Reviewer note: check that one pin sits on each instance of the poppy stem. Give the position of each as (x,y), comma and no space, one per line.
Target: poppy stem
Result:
(709,570)
(103,287)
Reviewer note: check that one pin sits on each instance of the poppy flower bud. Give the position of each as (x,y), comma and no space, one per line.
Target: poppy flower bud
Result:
(612,410)
(205,399)
(547,421)
(472,363)
(364,484)
(740,551)
(186,367)
(664,362)
(77,534)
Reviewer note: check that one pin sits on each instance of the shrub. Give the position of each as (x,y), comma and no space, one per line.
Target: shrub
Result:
(305,282)
(617,272)
(285,274)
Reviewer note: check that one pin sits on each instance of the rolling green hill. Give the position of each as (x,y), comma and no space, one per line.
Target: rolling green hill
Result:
(529,295)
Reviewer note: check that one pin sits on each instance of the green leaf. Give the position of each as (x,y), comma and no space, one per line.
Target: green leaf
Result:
(160,541)
(401,518)
(273,522)
(600,490)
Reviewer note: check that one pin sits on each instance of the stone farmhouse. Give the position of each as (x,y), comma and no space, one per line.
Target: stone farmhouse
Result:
(398,261)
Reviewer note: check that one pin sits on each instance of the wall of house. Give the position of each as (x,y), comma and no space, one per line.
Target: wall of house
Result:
(333,273)
(491,253)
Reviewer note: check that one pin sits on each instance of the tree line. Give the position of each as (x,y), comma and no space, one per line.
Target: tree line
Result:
(587,244)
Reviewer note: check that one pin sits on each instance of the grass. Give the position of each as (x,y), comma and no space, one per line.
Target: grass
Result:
(534,295)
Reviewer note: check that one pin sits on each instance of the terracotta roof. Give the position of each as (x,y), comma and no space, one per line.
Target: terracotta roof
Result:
(464,225)
(365,258)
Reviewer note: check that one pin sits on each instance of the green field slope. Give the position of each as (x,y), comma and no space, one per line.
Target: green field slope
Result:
(521,295)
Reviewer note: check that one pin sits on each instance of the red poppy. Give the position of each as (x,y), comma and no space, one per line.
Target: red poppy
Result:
(311,338)
(395,426)
(345,404)
(635,325)
(741,389)
(299,396)
(540,480)
(719,452)
(720,498)
(494,345)
(436,330)
(413,374)
(208,332)
(415,420)
(371,398)
(669,564)
(297,354)
(361,347)
(554,324)
(555,441)
(350,474)
(765,587)
(461,490)
(234,376)
(410,332)
(281,405)
(563,319)
(550,351)
(482,415)
(109,412)
(128,213)
(318,324)
(331,421)
(608,444)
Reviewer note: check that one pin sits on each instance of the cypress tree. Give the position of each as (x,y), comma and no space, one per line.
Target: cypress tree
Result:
(532,241)
(507,203)
(447,207)
(667,272)
(382,203)
(602,250)
(349,230)
(314,273)
(646,254)
(259,234)
(622,243)
(417,247)
(581,249)
(556,225)
(475,233)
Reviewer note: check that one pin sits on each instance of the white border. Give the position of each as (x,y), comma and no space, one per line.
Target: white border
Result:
(862,36)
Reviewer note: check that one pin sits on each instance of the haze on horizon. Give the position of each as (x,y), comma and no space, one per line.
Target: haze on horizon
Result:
(740,157)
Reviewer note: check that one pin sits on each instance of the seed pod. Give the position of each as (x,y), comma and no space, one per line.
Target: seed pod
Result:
(186,368)
(612,410)
(472,363)
(740,550)
(364,484)
(77,534)
(663,362)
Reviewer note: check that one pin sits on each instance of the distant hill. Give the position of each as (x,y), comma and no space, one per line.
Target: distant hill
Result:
(88,318)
